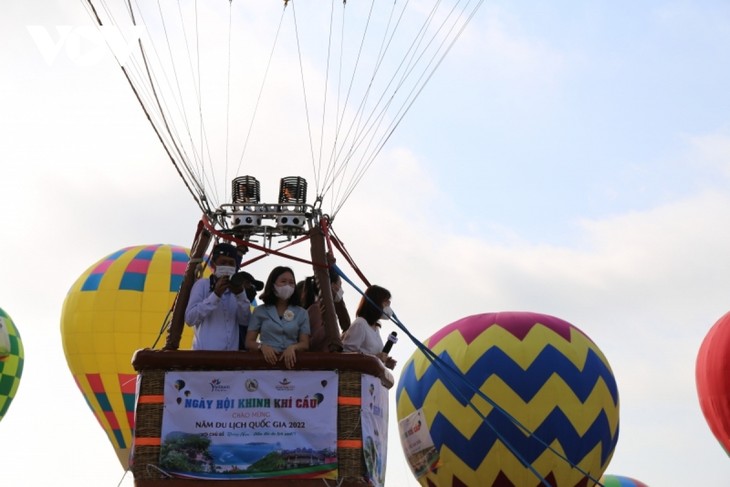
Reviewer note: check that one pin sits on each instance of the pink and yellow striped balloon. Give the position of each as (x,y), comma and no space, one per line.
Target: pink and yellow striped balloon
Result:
(117,306)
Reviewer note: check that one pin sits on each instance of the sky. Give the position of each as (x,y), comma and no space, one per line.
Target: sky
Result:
(572,160)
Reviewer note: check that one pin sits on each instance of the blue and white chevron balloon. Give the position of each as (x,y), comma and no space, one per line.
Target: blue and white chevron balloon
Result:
(556,405)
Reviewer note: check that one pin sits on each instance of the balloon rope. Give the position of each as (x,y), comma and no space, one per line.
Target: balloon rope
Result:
(265,250)
(228,88)
(453,375)
(341,247)
(261,91)
(259,257)
(198,194)
(304,85)
(165,325)
(126,471)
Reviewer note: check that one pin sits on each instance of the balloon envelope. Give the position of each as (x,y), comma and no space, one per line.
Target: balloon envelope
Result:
(12,357)
(620,481)
(543,371)
(117,306)
(712,374)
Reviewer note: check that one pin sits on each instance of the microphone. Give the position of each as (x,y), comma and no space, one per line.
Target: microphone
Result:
(392,338)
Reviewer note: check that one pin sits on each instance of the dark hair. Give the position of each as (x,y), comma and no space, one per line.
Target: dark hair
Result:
(308,289)
(372,312)
(299,291)
(269,294)
(228,250)
(309,293)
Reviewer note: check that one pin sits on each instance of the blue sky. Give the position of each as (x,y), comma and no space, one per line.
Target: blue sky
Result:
(601,102)
(565,159)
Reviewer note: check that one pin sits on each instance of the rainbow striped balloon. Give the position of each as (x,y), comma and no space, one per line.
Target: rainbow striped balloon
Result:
(541,371)
(620,481)
(116,307)
(12,357)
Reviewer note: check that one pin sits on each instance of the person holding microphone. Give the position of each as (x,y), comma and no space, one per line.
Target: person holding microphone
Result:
(363,335)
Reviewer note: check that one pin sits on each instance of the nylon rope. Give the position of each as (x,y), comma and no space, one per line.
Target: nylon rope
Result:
(304,87)
(228,89)
(162,112)
(211,228)
(407,106)
(199,175)
(374,121)
(261,89)
(197,196)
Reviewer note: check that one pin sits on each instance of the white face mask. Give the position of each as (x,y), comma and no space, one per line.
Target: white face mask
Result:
(387,313)
(284,292)
(224,270)
(338,295)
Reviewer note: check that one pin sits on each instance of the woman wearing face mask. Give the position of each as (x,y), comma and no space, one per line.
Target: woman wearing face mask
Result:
(281,324)
(364,333)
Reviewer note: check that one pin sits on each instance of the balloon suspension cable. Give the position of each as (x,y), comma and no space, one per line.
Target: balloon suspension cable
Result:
(199,195)
(262,256)
(165,325)
(341,247)
(324,224)
(248,244)
(453,376)
(126,471)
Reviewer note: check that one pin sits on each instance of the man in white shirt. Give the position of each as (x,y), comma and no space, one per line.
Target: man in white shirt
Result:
(218,308)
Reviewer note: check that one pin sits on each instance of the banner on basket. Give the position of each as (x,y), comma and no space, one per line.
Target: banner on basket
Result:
(250,424)
(374,428)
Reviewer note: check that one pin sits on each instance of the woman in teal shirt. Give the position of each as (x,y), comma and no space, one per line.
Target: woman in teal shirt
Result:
(281,325)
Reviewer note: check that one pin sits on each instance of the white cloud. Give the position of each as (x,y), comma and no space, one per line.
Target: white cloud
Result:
(713,150)
(508,55)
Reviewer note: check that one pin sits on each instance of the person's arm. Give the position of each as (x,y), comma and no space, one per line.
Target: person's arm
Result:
(289,356)
(387,360)
(243,316)
(318,332)
(343,317)
(254,327)
(252,346)
(201,304)
(243,309)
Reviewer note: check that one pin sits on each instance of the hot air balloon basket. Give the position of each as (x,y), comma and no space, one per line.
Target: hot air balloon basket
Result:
(351,469)
(147,426)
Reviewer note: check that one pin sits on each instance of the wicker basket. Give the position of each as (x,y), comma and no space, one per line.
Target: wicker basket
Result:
(152,365)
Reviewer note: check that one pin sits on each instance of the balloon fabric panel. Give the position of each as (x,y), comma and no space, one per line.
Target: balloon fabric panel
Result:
(11,364)
(620,481)
(712,374)
(116,307)
(543,371)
